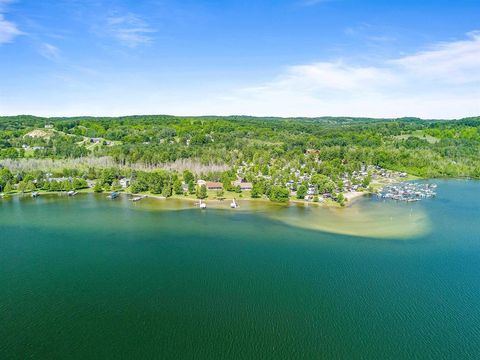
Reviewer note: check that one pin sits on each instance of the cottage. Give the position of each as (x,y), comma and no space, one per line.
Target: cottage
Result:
(125,183)
(244,186)
(211,185)
(201,182)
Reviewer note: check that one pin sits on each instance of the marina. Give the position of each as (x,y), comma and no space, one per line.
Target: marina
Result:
(409,192)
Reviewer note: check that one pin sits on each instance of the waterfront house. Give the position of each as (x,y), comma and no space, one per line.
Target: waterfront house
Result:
(244,186)
(124,182)
(212,185)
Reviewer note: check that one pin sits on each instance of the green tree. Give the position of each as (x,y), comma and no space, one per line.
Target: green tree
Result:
(116,185)
(67,185)
(167,190)
(279,194)
(366,180)
(256,191)
(79,183)
(188,176)
(21,186)
(177,187)
(8,188)
(108,176)
(5,176)
(98,187)
(191,187)
(202,192)
(30,186)
(302,192)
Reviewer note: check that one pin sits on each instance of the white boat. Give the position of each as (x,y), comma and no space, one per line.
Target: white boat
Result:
(234,204)
(72,193)
(202,205)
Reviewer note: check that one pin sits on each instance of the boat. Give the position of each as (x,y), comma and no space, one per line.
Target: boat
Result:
(72,193)
(234,204)
(137,198)
(35,194)
(113,195)
(202,205)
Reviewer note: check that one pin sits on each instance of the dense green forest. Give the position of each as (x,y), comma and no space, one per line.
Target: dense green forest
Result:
(272,153)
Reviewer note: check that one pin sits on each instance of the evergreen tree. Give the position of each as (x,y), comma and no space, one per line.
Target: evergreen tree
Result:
(98,187)
(30,186)
(302,192)
(8,188)
(177,187)
(167,190)
(202,192)
(21,186)
(191,187)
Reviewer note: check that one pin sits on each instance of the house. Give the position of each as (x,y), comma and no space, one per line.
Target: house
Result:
(95,140)
(243,185)
(211,185)
(124,182)
(201,182)
(48,126)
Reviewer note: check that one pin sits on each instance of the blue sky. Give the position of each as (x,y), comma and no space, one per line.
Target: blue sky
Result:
(285,57)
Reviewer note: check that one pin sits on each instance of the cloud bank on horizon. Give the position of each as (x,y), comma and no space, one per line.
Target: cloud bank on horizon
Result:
(287,58)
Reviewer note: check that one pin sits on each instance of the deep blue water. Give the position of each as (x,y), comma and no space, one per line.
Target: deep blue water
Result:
(91,278)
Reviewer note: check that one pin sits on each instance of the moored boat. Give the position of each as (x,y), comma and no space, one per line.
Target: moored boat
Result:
(113,195)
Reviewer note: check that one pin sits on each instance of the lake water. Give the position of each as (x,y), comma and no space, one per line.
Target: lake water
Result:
(91,278)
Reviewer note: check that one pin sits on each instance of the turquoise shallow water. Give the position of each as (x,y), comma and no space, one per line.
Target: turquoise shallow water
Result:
(89,278)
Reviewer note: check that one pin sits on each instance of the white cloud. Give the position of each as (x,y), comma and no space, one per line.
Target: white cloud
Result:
(49,51)
(129,29)
(8,29)
(440,82)
(453,62)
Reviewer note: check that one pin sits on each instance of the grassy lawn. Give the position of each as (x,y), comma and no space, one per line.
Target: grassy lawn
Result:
(418,134)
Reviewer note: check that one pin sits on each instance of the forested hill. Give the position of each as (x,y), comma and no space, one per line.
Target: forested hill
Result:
(420,147)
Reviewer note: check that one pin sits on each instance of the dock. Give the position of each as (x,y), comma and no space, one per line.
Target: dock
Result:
(408,192)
